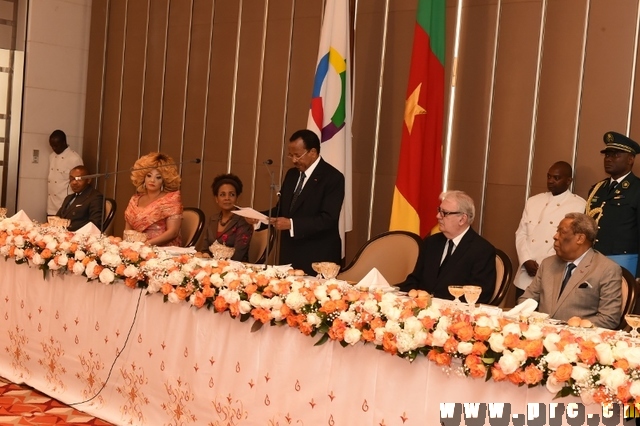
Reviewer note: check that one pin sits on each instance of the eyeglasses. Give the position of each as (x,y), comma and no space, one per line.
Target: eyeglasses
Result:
(445,213)
(297,157)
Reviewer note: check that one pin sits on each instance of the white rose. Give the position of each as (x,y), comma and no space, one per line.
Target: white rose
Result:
(496,342)
(106,276)
(63,260)
(215,279)
(431,312)
(612,378)
(256,299)
(131,271)
(19,241)
(412,325)
(508,363)
(295,301)
(276,314)
(465,348)
(580,374)
(443,323)
(335,294)
(352,336)
(520,355)
(484,321)
(347,316)
(534,332)
(550,341)
(18,253)
(604,353)
(37,259)
(393,327)
(230,296)
(321,293)
(78,268)
(439,337)
(633,356)
(392,313)
(512,328)
(173,297)
(313,319)
(371,306)
(553,385)
(571,352)
(244,307)
(634,389)
(91,266)
(53,265)
(555,359)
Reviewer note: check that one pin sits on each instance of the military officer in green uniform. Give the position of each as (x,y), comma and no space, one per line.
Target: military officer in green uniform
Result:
(615,203)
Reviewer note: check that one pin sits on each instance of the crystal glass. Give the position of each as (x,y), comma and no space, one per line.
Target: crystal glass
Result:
(220,251)
(634,322)
(132,236)
(472,294)
(456,291)
(328,270)
(3,212)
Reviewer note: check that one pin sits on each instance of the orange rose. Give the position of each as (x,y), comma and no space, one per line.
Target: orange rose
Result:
(451,345)
(376,323)
(517,377)
(496,374)
(389,343)
(533,348)
(234,309)
(428,322)
(166,288)
(120,269)
(46,254)
(336,332)
(587,355)
(479,348)
(233,285)
(623,393)
(563,372)
(98,269)
(70,263)
(181,292)
(207,291)
(199,300)
(482,333)
(443,359)
(532,375)
(621,363)
(131,282)
(368,335)
(261,314)
(511,341)
(219,304)
(305,328)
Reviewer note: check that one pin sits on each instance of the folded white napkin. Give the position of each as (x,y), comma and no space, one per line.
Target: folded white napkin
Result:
(177,251)
(525,308)
(89,229)
(21,216)
(373,280)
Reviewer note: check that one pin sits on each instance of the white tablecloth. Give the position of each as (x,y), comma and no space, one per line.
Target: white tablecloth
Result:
(186,366)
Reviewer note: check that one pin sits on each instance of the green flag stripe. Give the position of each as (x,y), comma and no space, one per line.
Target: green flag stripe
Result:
(431,18)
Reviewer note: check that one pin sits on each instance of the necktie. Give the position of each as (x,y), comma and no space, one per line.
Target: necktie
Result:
(298,190)
(70,205)
(567,275)
(450,246)
(612,186)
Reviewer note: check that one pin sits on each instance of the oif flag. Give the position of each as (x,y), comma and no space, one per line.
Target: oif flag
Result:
(330,113)
(419,178)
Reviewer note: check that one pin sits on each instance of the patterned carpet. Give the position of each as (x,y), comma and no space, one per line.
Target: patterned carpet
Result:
(22,405)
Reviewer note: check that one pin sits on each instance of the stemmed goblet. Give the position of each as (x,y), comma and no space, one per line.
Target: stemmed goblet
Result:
(456,291)
(634,322)
(472,294)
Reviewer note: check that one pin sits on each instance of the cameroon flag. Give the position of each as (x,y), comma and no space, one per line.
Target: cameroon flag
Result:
(419,179)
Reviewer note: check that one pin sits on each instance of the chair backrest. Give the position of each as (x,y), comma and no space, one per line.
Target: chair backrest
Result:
(192,226)
(393,253)
(504,272)
(110,207)
(629,295)
(258,246)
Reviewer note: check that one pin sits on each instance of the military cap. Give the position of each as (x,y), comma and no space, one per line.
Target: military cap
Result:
(618,142)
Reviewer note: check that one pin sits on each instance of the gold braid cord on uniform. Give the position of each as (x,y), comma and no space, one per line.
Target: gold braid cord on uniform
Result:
(598,210)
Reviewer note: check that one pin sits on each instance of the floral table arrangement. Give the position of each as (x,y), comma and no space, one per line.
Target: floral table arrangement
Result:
(599,366)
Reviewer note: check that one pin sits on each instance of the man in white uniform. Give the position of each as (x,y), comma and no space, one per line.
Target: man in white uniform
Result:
(61,161)
(540,219)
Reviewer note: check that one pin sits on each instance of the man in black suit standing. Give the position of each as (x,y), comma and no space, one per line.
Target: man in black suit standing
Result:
(309,207)
(85,204)
(455,256)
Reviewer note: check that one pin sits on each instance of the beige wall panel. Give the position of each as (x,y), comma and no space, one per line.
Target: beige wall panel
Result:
(274,101)
(304,55)
(396,75)
(197,81)
(560,86)
(111,106)
(154,76)
(473,96)
(510,134)
(95,64)
(175,79)
(607,78)
(128,141)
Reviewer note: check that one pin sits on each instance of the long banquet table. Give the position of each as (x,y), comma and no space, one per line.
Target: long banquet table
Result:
(173,364)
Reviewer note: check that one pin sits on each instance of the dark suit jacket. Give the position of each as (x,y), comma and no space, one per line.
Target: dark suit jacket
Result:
(237,234)
(87,207)
(315,217)
(472,262)
(593,292)
(619,224)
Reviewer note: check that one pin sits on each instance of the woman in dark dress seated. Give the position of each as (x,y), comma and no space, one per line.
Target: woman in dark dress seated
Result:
(225,227)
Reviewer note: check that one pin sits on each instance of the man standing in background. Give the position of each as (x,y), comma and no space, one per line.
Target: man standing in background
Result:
(615,203)
(540,218)
(61,161)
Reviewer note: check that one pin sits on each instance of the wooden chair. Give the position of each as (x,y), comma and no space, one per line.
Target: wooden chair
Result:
(110,207)
(258,246)
(393,253)
(629,296)
(504,275)
(192,226)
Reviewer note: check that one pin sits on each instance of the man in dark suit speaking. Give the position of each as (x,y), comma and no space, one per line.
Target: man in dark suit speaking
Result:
(85,204)
(455,256)
(309,207)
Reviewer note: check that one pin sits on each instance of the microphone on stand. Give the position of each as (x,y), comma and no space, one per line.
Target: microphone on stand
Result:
(272,188)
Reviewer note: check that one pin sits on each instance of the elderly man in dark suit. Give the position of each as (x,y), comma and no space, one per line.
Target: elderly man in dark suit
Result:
(456,255)
(309,207)
(578,280)
(85,204)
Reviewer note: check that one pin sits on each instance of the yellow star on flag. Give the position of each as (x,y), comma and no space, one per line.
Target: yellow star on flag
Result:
(411,108)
